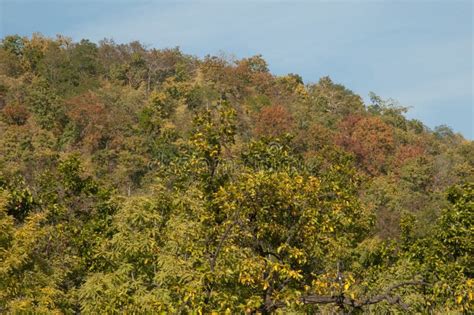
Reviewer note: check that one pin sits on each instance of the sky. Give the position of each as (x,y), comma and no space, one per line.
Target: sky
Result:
(419,53)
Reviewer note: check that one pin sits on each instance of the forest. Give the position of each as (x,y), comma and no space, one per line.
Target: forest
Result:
(136,180)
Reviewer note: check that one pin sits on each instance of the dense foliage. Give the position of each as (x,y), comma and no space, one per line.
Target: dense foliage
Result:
(136,180)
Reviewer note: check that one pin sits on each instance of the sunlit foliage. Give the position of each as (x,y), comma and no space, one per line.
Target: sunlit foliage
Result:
(141,180)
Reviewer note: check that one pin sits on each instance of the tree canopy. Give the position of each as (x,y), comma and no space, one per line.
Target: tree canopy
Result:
(143,180)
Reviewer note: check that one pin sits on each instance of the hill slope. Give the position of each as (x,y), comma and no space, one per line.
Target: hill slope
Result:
(144,180)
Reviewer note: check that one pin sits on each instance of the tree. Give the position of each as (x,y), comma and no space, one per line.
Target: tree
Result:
(90,121)
(273,121)
(214,132)
(44,103)
(11,51)
(336,99)
(284,235)
(49,238)
(15,114)
(446,255)
(370,139)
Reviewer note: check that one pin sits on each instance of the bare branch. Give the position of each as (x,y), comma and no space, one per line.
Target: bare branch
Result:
(223,239)
(342,300)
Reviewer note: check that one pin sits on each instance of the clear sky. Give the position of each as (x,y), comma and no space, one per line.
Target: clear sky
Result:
(417,52)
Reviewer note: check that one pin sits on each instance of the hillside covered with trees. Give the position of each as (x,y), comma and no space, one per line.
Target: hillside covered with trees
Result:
(137,180)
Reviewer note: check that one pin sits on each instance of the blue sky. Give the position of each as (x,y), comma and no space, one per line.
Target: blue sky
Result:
(417,52)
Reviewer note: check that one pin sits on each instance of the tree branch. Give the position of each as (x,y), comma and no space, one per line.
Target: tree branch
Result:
(347,301)
(222,240)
